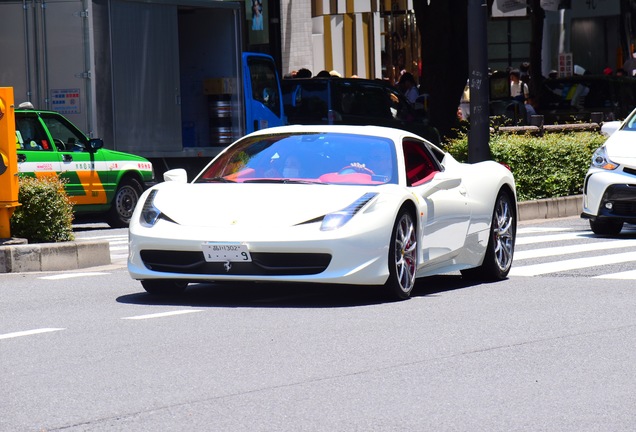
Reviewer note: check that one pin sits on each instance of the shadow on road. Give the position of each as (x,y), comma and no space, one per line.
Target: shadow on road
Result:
(276,295)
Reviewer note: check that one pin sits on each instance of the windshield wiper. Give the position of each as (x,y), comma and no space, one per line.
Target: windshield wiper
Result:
(284,181)
(216,180)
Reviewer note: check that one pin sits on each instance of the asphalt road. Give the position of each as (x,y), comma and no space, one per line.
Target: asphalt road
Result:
(90,351)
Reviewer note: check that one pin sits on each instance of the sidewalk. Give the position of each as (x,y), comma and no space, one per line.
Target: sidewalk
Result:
(17,258)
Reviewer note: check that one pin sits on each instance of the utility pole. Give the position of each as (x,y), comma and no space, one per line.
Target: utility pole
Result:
(479,135)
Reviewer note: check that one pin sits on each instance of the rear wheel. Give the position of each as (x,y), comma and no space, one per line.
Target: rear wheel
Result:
(606,227)
(126,197)
(164,286)
(501,243)
(402,257)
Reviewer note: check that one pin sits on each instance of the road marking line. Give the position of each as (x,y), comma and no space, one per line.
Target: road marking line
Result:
(162,314)
(564,250)
(115,237)
(533,230)
(72,275)
(554,237)
(29,332)
(626,275)
(572,264)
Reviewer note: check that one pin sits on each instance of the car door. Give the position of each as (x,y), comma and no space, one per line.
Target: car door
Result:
(85,171)
(444,223)
(37,156)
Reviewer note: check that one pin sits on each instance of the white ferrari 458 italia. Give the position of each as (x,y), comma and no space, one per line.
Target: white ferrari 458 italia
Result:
(609,189)
(359,205)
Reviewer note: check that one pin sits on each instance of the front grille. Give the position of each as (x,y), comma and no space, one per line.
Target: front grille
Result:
(623,208)
(623,199)
(263,264)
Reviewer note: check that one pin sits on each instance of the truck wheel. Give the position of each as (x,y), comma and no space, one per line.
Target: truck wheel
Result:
(124,202)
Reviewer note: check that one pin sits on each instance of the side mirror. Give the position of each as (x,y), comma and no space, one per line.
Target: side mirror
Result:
(95,144)
(610,127)
(178,175)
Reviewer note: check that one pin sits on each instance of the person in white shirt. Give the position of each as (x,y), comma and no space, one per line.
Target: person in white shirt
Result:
(518,89)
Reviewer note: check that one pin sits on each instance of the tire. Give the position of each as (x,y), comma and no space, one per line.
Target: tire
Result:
(402,257)
(606,227)
(501,243)
(165,287)
(126,198)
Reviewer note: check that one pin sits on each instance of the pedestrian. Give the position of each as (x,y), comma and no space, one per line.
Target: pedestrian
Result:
(630,65)
(518,89)
(408,87)
(530,110)
(303,73)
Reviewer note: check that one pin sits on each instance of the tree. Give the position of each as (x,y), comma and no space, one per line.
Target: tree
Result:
(444,34)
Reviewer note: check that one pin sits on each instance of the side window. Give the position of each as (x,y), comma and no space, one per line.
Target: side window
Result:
(420,165)
(30,135)
(65,136)
(376,103)
(265,84)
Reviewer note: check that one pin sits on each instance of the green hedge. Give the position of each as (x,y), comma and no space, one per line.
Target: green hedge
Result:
(45,214)
(547,166)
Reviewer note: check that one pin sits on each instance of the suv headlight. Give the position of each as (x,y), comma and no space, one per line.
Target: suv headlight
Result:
(602,161)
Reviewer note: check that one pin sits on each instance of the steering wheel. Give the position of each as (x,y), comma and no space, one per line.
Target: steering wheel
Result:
(357,168)
(59,144)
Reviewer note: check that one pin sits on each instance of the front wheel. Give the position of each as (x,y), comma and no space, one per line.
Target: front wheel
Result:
(164,287)
(402,257)
(501,243)
(126,198)
(606,227)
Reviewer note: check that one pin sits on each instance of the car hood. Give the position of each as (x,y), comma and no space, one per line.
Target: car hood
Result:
(621,147)
(117,155)
(252,205)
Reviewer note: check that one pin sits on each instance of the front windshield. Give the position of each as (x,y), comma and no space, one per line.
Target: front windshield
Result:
(328,158)
(630,124)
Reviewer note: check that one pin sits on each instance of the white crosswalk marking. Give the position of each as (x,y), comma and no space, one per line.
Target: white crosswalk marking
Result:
(572,264)
(565,250)
(539,257)
(118,246)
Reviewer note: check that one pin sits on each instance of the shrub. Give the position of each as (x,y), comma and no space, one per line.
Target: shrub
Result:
(547,166)
(45,214)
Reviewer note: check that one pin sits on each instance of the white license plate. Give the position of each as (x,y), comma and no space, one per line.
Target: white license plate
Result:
(223,252)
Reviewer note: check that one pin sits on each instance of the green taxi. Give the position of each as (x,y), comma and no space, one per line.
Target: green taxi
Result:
(98,180)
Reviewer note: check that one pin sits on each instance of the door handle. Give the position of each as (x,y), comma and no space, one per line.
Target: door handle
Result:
(67,158)
(22,158)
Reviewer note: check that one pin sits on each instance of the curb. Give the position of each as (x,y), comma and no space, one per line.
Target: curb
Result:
(549,208)
(54,256)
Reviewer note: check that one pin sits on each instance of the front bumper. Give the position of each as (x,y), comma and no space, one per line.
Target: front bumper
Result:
(610,196)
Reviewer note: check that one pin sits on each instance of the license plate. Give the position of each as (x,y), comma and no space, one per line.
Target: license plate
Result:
(224,252)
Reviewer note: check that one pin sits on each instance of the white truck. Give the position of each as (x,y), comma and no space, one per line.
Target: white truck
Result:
(167,80)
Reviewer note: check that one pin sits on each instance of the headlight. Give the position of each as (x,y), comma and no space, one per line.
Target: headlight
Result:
(150,213)
(602,161)
(338,218)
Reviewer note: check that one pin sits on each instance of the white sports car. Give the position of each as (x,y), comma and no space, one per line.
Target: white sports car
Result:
(609,189)
(360,205)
